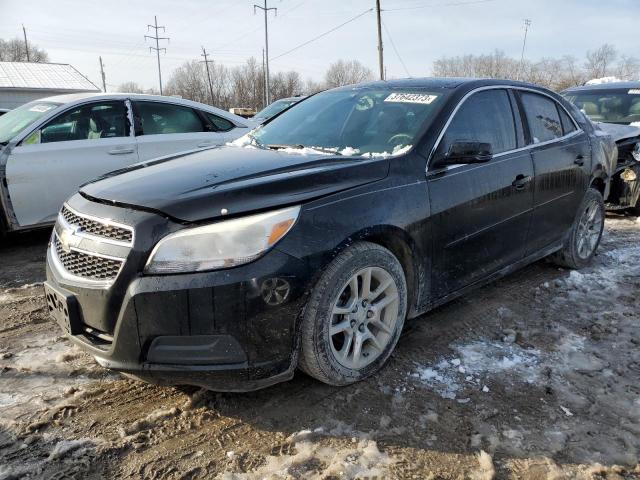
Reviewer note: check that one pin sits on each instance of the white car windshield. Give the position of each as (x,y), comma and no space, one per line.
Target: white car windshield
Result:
(355,122)
(15,121)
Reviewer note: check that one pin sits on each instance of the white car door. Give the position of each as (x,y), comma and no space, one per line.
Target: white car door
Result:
(164,128)
(78,145)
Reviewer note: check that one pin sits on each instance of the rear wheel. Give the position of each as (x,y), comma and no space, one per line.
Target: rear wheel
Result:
(354,316)
(586,232)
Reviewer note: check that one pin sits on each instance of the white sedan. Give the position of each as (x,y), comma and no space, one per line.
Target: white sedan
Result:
(49,147)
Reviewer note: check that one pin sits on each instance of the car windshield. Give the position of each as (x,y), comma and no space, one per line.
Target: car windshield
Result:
(610,106)
(358,121)
(275,108)
(15,121)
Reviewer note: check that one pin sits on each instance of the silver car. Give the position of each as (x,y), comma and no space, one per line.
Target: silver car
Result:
(49,147)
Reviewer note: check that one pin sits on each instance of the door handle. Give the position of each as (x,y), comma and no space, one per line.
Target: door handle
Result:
(206,144)
(579,160)
(521,182)
(121,151)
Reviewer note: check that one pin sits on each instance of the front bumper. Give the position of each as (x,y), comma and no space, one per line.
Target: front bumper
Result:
(220,330)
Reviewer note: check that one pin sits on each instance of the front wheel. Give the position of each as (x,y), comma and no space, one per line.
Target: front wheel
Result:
(586,232)
(354,316)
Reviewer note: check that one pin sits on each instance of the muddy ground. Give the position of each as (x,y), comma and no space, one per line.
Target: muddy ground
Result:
(536,376)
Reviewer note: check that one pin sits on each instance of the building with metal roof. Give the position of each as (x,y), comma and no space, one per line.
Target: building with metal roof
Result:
(22,82)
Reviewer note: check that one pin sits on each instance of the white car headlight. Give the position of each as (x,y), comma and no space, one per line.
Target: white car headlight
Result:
(636,152)
(223,244)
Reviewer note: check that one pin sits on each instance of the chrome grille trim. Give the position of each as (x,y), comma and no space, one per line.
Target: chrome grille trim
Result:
(99,229)
(64,264)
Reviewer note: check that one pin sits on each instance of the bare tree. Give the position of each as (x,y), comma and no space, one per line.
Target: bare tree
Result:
(14,51)
(346,73)
(129,87)
(628,68)
(599,61)
(189,81)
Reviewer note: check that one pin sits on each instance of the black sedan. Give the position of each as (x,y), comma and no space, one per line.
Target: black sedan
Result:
(308,242)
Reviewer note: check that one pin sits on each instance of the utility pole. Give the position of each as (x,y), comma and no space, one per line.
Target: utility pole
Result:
(380,57)
(26,45)
(264,83)
(527,24)
(104,83)
(157,47)
(206,62)
(265,9)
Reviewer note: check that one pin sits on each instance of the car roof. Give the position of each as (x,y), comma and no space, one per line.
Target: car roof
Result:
(605,86)
(71,98)
(441,83)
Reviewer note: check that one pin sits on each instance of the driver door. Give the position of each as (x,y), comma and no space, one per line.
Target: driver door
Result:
(481,212)
(78,145)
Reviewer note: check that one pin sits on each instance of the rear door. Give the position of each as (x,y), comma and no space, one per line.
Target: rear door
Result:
(164,128)
(481,211)
(78,145)
(561,159)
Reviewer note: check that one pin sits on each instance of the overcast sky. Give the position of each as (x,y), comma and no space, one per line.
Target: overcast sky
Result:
(77,32)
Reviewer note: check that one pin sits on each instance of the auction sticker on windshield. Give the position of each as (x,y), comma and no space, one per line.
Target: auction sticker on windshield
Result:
(634,91)
(411,98)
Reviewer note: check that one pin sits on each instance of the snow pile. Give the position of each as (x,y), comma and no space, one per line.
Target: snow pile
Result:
(600,81)
(474,365)
(314,459)
(64,447)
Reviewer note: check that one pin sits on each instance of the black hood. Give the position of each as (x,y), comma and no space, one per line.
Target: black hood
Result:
(197,186)
(619,132)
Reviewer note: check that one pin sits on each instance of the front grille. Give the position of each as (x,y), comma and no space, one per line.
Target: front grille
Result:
(97,228)
(86,265)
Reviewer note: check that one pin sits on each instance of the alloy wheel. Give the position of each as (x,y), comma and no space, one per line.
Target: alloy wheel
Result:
(364,317)
(589,229)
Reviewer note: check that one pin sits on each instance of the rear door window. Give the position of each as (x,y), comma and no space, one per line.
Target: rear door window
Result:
(542,117)
(484,117)
(158,118)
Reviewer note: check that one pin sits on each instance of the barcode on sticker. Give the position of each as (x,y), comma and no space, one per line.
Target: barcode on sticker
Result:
(411,98)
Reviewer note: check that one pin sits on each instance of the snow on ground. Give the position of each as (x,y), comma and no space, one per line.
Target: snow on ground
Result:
(314,459)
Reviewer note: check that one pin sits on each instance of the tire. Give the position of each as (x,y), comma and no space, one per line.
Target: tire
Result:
(583,240)
(329,354)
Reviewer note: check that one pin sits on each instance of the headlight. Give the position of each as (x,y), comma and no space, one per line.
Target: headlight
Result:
(636,152)
(221,245)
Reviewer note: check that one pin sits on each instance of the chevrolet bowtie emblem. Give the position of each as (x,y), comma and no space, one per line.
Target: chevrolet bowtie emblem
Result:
(68,239)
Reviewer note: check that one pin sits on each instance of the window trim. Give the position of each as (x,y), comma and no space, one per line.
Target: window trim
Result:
(576,132)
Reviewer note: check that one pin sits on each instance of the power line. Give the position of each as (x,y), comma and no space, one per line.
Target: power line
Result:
(323,34)
(431,5)
(396,50)
(157,47)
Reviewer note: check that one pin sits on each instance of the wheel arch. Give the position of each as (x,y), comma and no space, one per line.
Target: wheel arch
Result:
(398,242)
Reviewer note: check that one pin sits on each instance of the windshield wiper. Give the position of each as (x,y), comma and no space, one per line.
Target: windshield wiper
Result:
(276,146)
(299,146)
(255,141)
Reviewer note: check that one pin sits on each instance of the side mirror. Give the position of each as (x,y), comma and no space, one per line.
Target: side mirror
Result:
(466,152)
